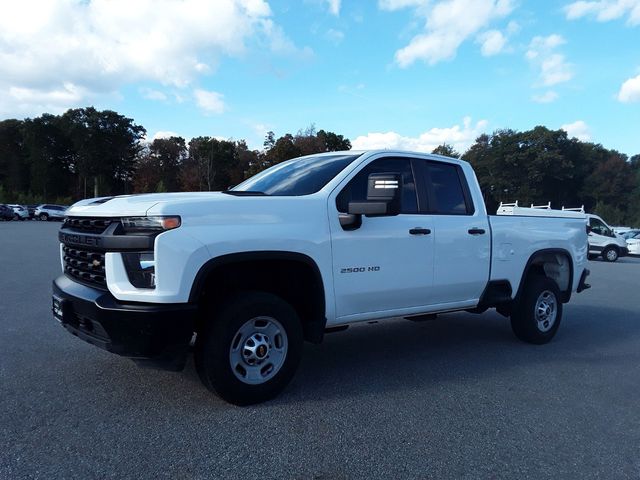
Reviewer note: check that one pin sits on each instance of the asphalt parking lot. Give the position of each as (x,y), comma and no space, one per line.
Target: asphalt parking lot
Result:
(458,397)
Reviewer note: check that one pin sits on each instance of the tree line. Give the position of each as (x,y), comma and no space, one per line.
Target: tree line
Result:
(86,152)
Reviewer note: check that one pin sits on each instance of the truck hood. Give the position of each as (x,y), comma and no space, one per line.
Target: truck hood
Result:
(131,205)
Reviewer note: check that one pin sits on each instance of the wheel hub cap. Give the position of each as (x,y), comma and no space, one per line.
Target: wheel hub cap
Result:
(546,311)
(258,350)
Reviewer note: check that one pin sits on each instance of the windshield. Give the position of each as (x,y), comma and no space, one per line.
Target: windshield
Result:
(301,176)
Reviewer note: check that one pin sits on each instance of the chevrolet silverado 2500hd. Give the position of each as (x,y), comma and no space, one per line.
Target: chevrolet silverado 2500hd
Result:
(245,276)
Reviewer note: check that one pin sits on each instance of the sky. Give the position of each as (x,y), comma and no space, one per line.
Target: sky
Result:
(409,74)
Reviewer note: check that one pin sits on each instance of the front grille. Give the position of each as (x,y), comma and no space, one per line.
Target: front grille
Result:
(86,266)
(87,224)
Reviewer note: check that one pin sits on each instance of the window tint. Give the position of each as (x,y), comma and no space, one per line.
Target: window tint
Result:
(302,176)
(599,227)
(445,190)
(356,190)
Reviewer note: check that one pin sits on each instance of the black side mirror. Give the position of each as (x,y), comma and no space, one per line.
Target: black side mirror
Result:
(383,196)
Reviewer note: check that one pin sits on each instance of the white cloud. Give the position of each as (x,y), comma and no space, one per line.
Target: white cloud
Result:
(492,41)
(552,67)
(334,6)
(334,36)
(459,136)
(578,129)
(209,102)
(152,94)
(164,134)
(546,97)
(630,90)
(392,5)
(98,46)
(605,10)
(448,23)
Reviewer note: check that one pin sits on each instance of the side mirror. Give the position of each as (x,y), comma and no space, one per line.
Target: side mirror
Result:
(383,196)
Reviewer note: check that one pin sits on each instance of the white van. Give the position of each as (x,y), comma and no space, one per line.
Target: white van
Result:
(603,241)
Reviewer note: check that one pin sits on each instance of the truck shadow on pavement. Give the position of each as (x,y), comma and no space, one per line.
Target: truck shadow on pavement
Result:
(405,355)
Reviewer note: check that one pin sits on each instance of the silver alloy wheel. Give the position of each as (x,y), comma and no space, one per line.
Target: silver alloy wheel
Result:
(258,350)
(546,310)
(612,255)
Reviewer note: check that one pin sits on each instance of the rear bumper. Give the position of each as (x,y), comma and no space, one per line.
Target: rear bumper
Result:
(151,334)
(624,251)
(583,285)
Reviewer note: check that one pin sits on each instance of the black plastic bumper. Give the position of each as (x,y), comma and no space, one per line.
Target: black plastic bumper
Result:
(583,285)
(624,251)
(157,335)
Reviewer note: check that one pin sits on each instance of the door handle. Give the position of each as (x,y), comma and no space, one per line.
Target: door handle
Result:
(476,231)
(419,231)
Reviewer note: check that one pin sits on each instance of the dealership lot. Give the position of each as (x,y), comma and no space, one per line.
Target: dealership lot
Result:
(458,397)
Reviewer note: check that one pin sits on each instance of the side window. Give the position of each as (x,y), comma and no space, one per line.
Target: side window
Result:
(446,194)
(356,189)
(599,228)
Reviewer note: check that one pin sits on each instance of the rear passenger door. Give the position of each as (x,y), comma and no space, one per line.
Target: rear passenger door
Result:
(462,240)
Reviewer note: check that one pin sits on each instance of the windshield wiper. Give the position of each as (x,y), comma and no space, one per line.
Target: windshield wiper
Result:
(245,193)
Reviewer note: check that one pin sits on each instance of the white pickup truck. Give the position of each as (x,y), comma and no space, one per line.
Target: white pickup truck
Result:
(311,245)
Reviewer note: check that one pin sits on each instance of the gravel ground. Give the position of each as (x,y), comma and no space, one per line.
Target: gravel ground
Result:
(458,397)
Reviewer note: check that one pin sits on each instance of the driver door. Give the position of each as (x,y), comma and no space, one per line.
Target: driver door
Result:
(385,266)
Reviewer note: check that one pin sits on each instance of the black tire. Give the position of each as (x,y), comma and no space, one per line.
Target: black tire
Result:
(525,324)
(16,217)
(610,254)
(214,347)
(43,217)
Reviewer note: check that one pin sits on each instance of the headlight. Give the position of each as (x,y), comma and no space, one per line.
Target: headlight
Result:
(141,225)
(141,269)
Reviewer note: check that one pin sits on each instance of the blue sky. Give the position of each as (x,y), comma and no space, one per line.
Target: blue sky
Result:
(392,73)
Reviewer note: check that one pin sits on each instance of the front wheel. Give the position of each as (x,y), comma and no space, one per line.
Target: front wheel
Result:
(537,316)
(251,349)
(610,254)
(44,217)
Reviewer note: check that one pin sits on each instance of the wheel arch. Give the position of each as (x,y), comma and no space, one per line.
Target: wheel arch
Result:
(268,271)
(554,263)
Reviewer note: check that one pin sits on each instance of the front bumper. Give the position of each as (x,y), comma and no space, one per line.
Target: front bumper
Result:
(157,335)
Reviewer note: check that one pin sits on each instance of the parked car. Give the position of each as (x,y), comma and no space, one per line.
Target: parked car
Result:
(630,233)
(32,210)
(20,212)
(319,242)
(50,212)
(633,244)
(6,213)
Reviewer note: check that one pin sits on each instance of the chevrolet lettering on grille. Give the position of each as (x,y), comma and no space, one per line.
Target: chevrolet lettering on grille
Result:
(75,239)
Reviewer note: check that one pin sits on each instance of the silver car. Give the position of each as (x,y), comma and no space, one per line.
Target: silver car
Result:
(20,212)
(48,211)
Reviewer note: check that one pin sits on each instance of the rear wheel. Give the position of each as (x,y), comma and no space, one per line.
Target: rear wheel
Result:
(537,316)
(251,349)
(610,254)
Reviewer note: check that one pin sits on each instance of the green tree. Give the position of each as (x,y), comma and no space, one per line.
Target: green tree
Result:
(447,150)
(106,146)
(49,154)
(14,169)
